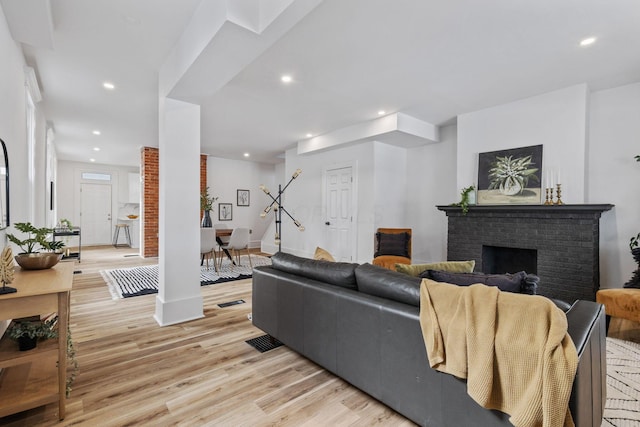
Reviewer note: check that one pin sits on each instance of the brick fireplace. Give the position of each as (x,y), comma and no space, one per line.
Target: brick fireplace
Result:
(558,243)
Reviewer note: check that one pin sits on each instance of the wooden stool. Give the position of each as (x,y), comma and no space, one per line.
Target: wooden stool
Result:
(116,233)
(623,303)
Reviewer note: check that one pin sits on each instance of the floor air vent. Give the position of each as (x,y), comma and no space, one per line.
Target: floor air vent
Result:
(264,343)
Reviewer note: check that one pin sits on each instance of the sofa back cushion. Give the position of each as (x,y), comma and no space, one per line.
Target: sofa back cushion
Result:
(453,266)
(520,282)
(335,273)
(385,283)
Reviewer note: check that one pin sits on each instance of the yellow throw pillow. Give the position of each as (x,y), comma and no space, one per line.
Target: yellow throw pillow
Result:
(450,266)
(323,255)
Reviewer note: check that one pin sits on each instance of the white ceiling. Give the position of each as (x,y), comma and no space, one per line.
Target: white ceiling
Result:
(432,60)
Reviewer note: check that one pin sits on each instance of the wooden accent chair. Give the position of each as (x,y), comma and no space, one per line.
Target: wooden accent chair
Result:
(392,246)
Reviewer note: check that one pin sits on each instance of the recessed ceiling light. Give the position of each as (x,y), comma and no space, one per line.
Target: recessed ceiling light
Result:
(108,85)
(96,132)
(309,135)
(92,160)
(96,148)
(246,154)
(381,113)
(286,79)
(588,41)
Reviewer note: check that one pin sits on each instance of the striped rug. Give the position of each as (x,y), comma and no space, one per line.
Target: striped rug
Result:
(622,408)
(136,281)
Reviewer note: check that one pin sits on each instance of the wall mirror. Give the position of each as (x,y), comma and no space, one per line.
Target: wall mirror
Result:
(4,187)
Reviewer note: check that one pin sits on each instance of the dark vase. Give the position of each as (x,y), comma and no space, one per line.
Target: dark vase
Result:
(635,279)
(206,219)
(25,343)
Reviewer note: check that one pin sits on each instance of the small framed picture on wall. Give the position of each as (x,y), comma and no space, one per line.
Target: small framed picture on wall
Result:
(225,212)
(243,197)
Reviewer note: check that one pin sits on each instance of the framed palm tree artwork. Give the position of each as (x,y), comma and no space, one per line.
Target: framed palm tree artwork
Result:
(510,176)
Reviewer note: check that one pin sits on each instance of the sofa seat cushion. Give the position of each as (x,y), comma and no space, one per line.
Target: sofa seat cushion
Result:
(384,283)
(335,273)
(453,266)
(518,282)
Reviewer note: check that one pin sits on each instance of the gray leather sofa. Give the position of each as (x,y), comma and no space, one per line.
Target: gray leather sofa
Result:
(360,322)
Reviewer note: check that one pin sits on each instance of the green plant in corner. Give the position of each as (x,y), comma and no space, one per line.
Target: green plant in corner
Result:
(635,241)
(36,239)
(464,199)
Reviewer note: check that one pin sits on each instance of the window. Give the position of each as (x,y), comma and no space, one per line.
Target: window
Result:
(96,176)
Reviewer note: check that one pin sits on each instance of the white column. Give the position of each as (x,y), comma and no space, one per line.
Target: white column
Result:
(179,298)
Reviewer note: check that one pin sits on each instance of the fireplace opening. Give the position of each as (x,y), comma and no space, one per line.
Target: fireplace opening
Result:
(500,260)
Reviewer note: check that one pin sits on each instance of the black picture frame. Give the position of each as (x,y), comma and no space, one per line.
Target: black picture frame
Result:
(225,211)
(242,197)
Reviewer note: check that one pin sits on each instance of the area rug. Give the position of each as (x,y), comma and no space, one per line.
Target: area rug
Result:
(622,408)
(136,281)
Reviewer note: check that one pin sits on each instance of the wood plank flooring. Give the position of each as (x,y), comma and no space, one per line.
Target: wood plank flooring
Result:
(200,373)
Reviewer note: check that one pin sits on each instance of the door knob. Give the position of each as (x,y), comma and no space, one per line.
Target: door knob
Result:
(327,223)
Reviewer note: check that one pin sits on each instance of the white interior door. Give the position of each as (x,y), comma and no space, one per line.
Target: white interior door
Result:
(95,214)
(339,213)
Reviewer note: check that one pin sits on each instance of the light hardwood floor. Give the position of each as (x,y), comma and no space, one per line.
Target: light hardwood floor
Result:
(133,372)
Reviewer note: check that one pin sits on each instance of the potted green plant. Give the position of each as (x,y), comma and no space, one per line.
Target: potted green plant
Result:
(206,204)
(27,332)
(511,176)
(31,258)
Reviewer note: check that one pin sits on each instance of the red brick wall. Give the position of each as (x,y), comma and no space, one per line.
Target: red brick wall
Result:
(150,201)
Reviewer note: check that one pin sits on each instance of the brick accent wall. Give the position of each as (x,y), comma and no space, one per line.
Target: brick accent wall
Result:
(149,221)
(566,239)
(149,173)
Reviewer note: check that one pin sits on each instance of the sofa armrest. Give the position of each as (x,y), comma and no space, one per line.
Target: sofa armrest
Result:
(586,326)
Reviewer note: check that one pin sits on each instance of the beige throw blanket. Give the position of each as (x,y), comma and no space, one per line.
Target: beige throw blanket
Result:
(513,349)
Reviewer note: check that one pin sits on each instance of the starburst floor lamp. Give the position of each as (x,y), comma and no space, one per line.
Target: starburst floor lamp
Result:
(276,205)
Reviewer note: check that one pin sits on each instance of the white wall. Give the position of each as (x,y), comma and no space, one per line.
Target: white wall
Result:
(225,177)
(431,182)
(13,123)
(557,120)
(13,127)
(390,184)
(303,199)
(614,177)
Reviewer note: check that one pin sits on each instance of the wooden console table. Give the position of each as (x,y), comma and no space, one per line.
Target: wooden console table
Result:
(31,378)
